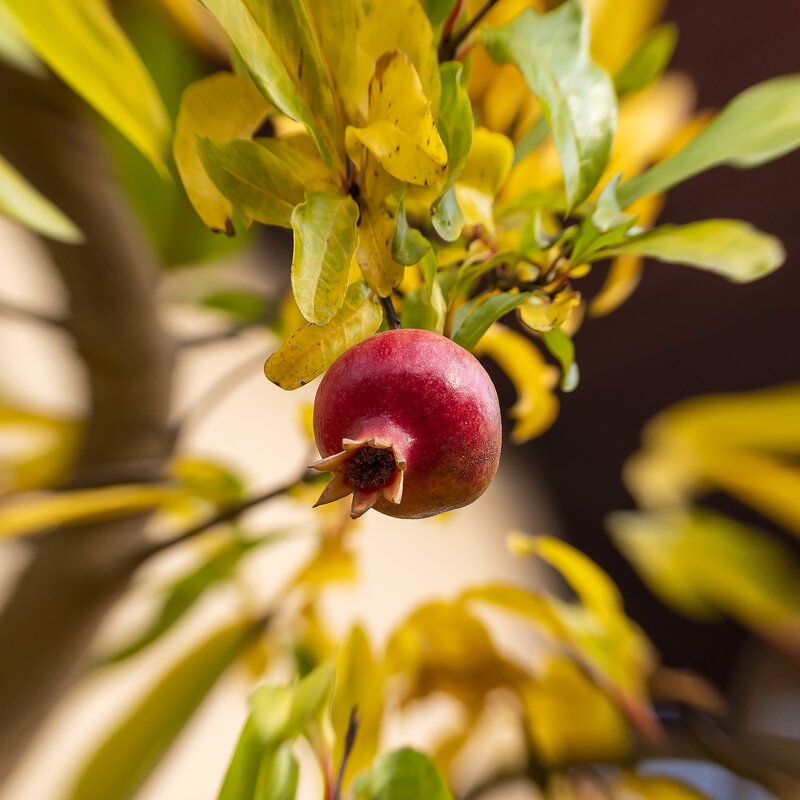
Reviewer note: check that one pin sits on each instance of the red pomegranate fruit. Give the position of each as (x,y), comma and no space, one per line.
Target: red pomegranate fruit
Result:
(409,423)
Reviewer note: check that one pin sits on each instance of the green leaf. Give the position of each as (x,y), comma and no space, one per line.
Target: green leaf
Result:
(241,778)
(245,306)
(325,239)
(424,310)
(727,247)
(408,244)
(220,107)
(264,180)
(82,43)
(402,775)
(446,216)
(277,40)
(473,319)
(577,96)
(22,203)
(309,351)
(282,712)
(531,139)
(278,775)
(757,126)
(438,10)
(135,747)
(605,227)
(184,593)
(562,348)
(648,62)
(15,48)
(454,123)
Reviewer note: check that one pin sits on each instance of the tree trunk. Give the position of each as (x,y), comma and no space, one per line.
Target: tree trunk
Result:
(76,574)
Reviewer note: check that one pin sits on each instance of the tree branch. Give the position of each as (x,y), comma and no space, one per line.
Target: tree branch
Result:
(75,576)
(28,315)
(391,313)
(450,44)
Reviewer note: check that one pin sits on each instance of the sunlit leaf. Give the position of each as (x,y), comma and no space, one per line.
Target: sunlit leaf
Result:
(242,775)
(282,712)
(376,230)
(81,505)
(544,314)
(648,61)
(727,247)
(359,684)
(333,562)
(402,775)
(221,107)
(486,169)
(325,238)
(208,480)
(82,43)
(14,47)
(757,126)
(135,747)
(402,25)
(533,378)
(309,351)
(570,720)
(278,42)
(22,202)
(577,97)
(473,318)
(400,131)
(704,564)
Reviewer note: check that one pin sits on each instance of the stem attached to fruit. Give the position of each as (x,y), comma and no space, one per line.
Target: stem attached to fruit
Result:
(391,313)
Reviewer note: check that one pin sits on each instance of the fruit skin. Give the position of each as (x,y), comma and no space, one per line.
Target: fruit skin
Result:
(427,398)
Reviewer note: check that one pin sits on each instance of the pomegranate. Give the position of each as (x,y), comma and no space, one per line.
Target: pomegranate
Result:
(409,423)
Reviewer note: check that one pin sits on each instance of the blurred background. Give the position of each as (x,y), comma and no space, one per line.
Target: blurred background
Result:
(683,333)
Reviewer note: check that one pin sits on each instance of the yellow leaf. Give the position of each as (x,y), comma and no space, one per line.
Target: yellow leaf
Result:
(374,252)
(617,28)
(400,130)
(332,563)
(485,172)
(83,505)
(570,720)
(402,25)
(83,44)
(540,315)
(359,683)
(704,564)
(221,107)
(442,647)
(533,378)
(310,350)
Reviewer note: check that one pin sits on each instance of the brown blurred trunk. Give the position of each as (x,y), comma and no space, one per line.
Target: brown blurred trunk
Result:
(76,574)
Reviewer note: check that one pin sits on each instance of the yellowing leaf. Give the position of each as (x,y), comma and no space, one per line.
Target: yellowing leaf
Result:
(400,131)
(82,505)
(22,202)
(309,351)
(220,107)
(332,563)
(82,43)
(704,564)
(487,167)
(278,42)
(359,684)
(402,25)
(264,180)
(540,315)
(15,49)
(570,720)
(727,247)
(136,746)
(374,252)
(325,237)
(534,380)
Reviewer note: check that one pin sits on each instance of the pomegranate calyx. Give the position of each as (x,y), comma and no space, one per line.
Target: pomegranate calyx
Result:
(367,468)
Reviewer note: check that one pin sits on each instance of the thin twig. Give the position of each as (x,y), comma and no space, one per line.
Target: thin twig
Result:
(29,315)
(349,741)
(450,44)
(228,514)
(391,313)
